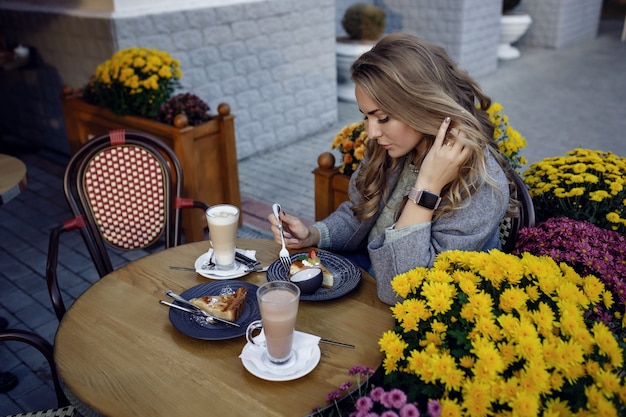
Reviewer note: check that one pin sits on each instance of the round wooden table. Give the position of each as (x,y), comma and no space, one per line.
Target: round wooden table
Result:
(119,354)
(13,178)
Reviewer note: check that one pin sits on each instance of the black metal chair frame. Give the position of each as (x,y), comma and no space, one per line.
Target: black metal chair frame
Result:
(45,348)
(84,220)
(510,226)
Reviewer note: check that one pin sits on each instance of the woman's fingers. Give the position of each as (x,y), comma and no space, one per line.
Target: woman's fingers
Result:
(441,133)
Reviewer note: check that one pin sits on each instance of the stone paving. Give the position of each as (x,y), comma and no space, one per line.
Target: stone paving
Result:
(558,99)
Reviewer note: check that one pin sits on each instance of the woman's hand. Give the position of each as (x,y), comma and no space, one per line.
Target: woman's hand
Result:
(297,234)
(444,160)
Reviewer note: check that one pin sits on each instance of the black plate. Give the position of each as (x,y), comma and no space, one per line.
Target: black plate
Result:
(346,276)
(195,325)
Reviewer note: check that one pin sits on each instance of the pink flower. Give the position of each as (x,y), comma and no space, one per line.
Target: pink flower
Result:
(395,398)
(345,385)
(333,395)
(409,410)
(377,393)
(364,404)
(434,408)
(365,371)
(389,413)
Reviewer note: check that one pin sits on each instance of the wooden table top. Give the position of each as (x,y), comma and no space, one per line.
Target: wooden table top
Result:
(13,177)
(118,352)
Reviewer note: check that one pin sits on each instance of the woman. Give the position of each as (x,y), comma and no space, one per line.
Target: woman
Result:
(432,179)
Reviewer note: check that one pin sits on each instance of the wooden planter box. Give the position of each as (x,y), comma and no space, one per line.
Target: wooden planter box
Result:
(331,186)
(207,152)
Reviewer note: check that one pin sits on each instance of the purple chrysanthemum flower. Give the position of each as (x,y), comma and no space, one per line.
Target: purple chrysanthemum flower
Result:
(377,393)
(396,398)
(434,408)
(361,370)
(409,410)
(345,386)
(333,395)
(364,404)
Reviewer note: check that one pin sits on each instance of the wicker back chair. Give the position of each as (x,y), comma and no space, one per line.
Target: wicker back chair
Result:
(124,190)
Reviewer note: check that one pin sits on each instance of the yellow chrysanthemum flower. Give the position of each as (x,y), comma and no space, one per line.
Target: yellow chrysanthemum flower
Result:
(583,185)
(148,75)
(512,299)
(504,346)
(476,398)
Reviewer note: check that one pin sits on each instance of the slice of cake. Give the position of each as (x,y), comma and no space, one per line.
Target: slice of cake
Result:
(312,260)
(227,306)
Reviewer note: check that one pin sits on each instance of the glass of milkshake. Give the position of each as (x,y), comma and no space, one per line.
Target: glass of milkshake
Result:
(223,220)
(278,303)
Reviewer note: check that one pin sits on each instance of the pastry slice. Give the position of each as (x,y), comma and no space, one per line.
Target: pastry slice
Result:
(228,306)
(309,261)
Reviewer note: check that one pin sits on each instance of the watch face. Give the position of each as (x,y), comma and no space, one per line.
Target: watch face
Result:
(424,198)
(428,200)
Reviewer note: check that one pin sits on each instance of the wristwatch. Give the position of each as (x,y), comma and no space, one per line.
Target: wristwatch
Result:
(424,198)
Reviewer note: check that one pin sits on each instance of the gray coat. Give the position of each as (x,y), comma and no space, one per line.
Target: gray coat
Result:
(472,228)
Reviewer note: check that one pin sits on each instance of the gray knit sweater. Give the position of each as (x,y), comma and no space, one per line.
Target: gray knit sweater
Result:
(395,251)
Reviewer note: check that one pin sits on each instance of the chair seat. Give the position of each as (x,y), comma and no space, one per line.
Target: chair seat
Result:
(68,411)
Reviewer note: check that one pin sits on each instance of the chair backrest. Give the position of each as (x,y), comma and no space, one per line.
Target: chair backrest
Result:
(510,226)
(45,348)
(124,190)
(124,184)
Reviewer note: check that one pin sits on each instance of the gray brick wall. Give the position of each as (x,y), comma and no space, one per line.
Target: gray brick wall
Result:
(468,29)
(558,23)
(272,61)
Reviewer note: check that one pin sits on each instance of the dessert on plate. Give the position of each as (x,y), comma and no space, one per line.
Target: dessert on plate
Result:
(311,260)
(226,306)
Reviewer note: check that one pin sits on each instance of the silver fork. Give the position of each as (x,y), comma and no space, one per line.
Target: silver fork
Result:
(285,259)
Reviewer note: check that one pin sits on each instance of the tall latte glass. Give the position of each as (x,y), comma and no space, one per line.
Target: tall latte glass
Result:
(278,302)
(223,220)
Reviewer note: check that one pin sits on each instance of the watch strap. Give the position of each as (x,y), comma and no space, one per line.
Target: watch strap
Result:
(424,198)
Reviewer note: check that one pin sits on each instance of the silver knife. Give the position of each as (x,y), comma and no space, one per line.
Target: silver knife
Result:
(332,342)
(257,268)
(196,312)
(249,262)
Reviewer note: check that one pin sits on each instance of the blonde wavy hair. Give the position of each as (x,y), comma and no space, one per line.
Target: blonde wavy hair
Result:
(414,81)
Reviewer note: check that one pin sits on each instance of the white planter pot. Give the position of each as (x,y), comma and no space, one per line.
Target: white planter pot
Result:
(512,28)
(347,52)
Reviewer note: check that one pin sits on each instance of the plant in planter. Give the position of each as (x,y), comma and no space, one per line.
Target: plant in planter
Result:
(591,251)
(134,81)
(191,106)
(585,185)
(364,23)
(489,333)
(513,26)
(352,143)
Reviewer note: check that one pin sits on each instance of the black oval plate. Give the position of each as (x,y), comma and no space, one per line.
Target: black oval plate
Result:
(346,275)
(195,326)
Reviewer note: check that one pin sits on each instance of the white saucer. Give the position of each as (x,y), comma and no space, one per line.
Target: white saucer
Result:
(273,375)
(237,272)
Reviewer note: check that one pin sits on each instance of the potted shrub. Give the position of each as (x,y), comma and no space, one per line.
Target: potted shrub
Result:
(133,90)
(364,23)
